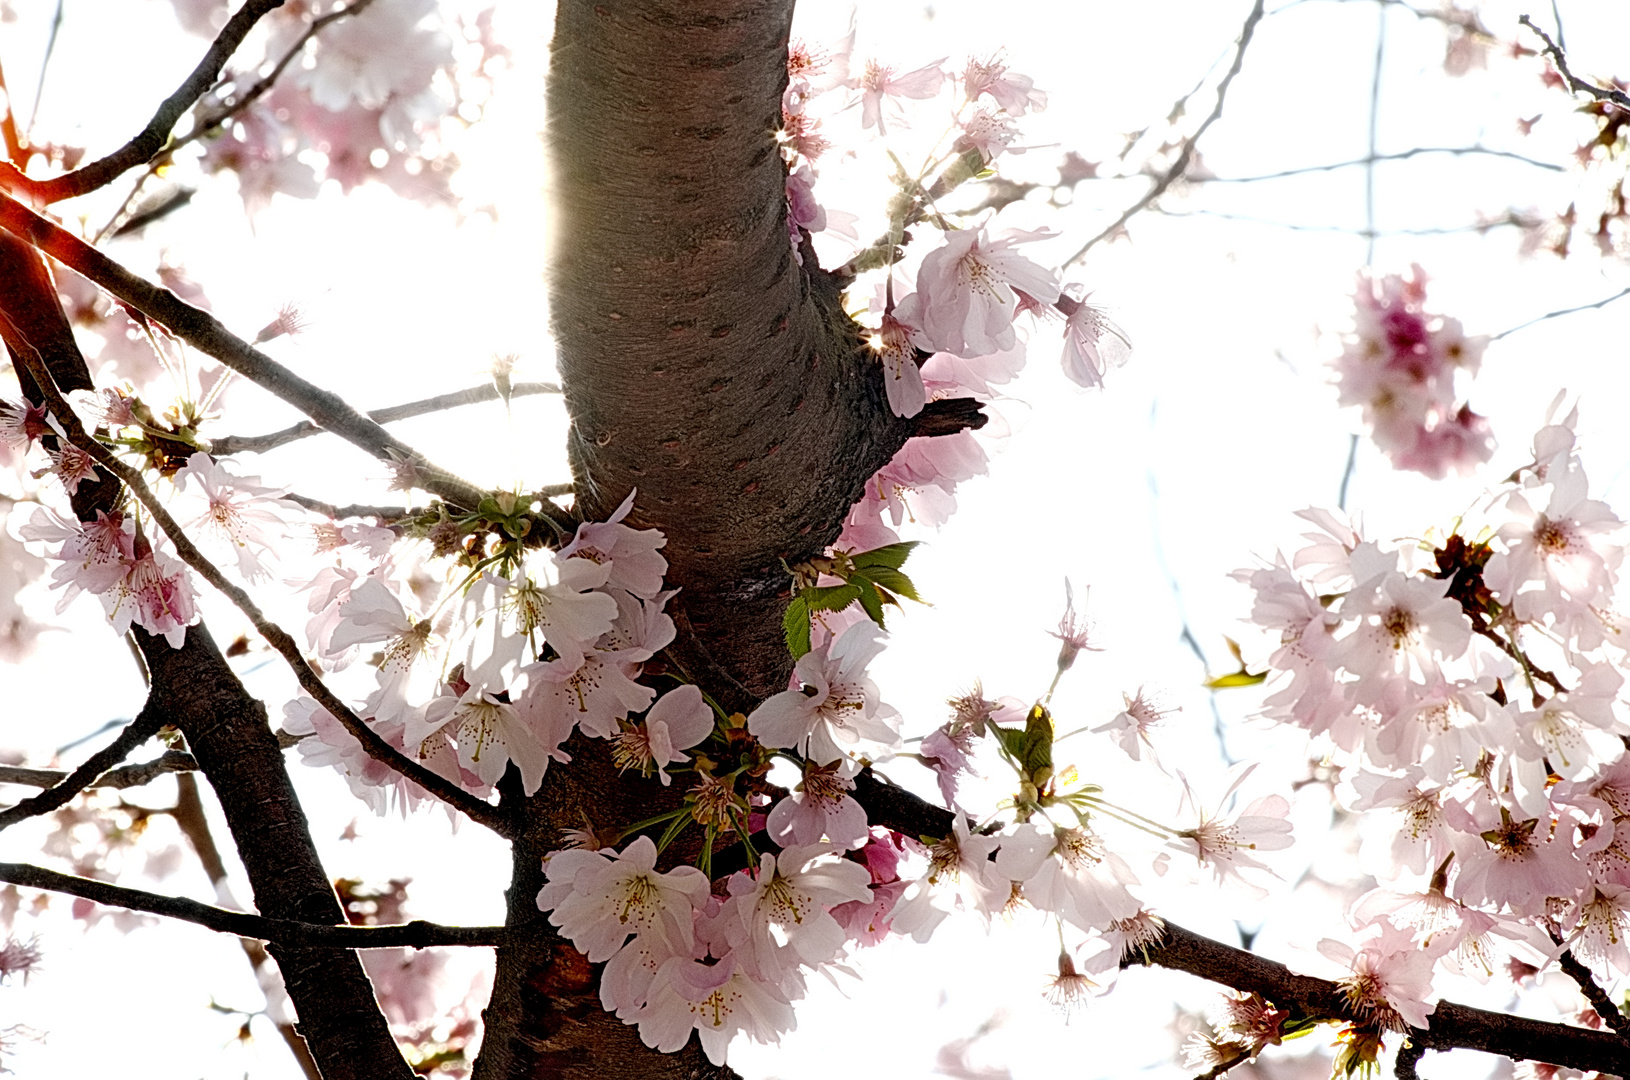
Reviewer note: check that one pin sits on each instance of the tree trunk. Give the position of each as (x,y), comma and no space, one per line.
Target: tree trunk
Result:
(707,366)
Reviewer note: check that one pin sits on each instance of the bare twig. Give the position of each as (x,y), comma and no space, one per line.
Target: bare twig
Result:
(414,935)
(1620,295)
(278,638)
(355,510)
(237,444)
(1402,155)
(138,731)
(127,776)
(1185,152)
(1575,83)
(152,138)
(205,333)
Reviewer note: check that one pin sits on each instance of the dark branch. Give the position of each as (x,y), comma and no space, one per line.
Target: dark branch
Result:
(1452,1026)
(278,638)
(205,333)
(1185,153)
(1409,1055)
(414,935)
(1580,974)
(128,776)
(948,416)
(138,731)
(1576,84)
(156,134)
(237,444)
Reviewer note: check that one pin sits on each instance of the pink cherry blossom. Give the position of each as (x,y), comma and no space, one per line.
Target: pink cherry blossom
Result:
(791,893)
(488,732)
(631,553)
(879,82)
(717,1002)
(678,721)
(240,515)
(821,808)
(965,301)
(546,601)
(837,707)
(598,901)
(1013,92)
(1092,344)
(1390,978)
(902,378)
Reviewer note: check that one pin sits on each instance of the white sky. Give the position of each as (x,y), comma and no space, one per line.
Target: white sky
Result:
(1224,412)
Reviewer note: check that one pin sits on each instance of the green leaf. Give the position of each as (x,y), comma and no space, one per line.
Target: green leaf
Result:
(1038,740)
(886,577)
(830,597)
(1233,679)
(892,556)
(872,603)
(796,624)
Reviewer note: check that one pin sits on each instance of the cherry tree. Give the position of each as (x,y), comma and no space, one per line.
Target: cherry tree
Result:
(652,682)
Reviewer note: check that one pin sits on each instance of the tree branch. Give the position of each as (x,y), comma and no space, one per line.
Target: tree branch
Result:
(205,125)
(128,776)
(1576,84)
(237,444)
(1185,153)
(205,333)
(152,138)
(414,935)
(138,731)
(1580,974)
(1452,1026)
(278,638)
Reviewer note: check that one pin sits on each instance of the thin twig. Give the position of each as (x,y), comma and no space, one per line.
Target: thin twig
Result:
(126,776)
(278,638)
(1186,152)
(355,510)
(8,124)
(1576,84)
(151,139)
(237,444)
(1620,295)
(205,333)
(1402,155)
(138,731)
(414,935)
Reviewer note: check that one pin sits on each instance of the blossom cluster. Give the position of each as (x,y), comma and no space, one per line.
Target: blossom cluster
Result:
(1399,366)
(1469,687)
(957,333)
(371,99)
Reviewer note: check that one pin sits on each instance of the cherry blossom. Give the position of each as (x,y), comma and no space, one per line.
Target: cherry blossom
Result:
(717,1002)
(678,721)
(545,602)
(965,301)
(777,916)
(1390,978)
(488,732)
(1092,344)
(837,706)
(598,901)
(631,553)
(879,81)
(820,808)
(240,515)
(1013,92)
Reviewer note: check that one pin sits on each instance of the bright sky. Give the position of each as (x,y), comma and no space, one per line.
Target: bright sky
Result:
(1188,466)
